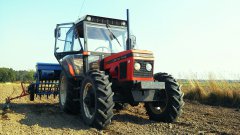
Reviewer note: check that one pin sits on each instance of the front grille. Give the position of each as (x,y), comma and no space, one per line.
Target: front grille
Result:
(143,71)
(123,70)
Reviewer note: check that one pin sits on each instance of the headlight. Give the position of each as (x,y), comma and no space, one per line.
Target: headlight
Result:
(149,67)
(137,66)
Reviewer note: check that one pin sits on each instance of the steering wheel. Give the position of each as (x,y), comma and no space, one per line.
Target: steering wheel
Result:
(102,47)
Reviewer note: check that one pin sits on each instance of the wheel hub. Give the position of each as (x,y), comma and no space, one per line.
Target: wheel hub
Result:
(160,106)
(89,100)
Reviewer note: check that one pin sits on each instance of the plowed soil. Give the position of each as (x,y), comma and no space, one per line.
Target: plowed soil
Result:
(45,117)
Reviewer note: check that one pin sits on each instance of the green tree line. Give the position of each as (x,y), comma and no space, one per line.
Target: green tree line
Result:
(10,75)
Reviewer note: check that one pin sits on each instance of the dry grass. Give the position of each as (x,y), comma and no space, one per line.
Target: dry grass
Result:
(213,92)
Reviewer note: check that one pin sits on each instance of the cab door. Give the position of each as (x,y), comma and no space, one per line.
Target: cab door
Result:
(68,50)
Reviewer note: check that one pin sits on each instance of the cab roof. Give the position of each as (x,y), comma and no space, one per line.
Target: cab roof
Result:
(102,20)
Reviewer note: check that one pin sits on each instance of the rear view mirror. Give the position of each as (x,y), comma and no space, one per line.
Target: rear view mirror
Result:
(56,48)
(57,32)
(133,41)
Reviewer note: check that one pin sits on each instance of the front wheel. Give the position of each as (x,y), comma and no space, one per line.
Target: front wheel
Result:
(171,102)
(96,99)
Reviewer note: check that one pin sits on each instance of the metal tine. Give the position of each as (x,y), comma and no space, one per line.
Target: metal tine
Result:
(40,89)
(47,87)
(44,90)
(54,89)
(36,87)
(51,85)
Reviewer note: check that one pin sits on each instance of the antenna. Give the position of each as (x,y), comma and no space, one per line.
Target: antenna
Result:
(81,8)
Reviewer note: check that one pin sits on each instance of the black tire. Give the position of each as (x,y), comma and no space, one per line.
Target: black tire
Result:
(96,99)
(171,107)
(31,91)
(68,96)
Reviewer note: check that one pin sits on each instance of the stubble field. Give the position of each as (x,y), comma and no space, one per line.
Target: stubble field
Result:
(45,117)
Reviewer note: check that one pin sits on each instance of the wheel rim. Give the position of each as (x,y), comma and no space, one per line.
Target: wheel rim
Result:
(89,100)
(159,107)
(63,92)
(156,109)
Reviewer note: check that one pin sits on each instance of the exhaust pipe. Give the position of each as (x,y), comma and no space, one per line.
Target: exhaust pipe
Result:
(129,46)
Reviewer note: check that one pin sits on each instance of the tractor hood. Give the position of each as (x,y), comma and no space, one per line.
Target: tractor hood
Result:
(130,65)
(136,54)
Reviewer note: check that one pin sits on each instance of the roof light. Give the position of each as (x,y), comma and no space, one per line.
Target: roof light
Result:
(89,18)
(123,23)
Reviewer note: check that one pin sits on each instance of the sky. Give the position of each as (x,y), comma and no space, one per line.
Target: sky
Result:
(188,37)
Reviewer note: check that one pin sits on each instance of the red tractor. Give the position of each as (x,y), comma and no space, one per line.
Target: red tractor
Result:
(102,70)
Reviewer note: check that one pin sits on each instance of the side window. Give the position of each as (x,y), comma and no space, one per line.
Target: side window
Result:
(77,46)
(69,41)
(62,45)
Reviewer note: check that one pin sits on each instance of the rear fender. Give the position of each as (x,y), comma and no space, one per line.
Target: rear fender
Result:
(72,65)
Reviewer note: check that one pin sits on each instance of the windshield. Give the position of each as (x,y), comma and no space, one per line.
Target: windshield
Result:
(105,38)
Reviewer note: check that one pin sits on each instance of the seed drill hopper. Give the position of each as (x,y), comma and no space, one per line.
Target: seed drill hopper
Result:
(46,83)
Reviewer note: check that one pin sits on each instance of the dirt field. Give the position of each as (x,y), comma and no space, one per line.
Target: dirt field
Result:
(45,117)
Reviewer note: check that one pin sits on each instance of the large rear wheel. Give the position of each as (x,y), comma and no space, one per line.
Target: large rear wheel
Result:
(67,95)
(96,99)
(171,102)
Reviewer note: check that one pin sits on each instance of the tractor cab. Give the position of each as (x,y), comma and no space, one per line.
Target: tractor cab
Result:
(88,40)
